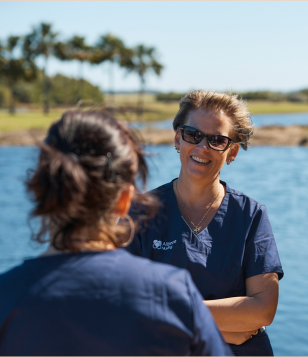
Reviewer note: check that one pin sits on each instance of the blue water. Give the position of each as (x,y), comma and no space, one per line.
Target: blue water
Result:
(258,120)
(275,176)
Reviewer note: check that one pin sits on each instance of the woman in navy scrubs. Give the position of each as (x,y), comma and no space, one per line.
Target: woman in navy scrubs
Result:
(84,296)
(221,236)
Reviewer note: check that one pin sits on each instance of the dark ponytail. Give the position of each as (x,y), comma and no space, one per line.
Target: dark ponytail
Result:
(85,163)
(59,185)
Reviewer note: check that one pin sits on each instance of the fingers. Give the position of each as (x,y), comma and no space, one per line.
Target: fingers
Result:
(238,338)
(254,333)
(244,336)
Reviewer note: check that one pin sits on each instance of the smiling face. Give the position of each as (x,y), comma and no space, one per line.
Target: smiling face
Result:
(199,162)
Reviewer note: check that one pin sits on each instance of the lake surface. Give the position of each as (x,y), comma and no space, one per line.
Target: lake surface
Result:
(275,176)
(258,120)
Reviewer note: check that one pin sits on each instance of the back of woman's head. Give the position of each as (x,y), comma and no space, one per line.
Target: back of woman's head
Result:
(87,160)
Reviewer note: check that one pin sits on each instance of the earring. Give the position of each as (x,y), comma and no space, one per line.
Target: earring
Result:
(229,161)
(132,231)
(177,150)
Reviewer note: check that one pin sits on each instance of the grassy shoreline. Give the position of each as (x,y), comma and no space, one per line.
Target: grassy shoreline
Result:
(33,118)
(294,135)
(277,107)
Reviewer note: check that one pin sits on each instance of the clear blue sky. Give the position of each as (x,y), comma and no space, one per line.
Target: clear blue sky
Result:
(220,45)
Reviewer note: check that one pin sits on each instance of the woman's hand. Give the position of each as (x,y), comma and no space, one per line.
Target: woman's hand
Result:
(238,338)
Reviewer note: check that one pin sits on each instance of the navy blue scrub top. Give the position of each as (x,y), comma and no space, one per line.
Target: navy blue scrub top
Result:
(237,244)
(108,303)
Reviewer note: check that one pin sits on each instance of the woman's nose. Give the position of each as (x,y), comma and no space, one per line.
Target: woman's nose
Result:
(204,145)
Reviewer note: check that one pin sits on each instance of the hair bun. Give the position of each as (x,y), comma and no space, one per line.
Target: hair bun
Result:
(60,183)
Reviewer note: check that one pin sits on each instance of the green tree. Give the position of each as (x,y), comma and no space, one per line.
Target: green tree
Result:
(142,62)
(41,42)
(76,49)
(112,49)
(64,91)
(13,70)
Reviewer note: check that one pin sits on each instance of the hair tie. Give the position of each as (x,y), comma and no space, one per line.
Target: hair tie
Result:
(74,157)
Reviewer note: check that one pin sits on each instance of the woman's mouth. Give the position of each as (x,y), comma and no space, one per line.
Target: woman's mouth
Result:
(200,160)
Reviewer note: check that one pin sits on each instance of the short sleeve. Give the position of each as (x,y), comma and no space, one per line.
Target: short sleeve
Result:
(207,340)
(135,246)
(261,254)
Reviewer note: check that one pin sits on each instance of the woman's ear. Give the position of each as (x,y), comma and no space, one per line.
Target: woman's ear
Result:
(177,139)
(234,149)
(124,202)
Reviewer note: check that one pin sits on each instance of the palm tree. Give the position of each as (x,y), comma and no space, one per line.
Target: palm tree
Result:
(111,48)
(41,42)
(142,62)
(77,49)
(14,69)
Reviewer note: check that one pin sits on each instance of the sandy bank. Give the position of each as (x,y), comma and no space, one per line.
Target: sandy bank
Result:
(295,135)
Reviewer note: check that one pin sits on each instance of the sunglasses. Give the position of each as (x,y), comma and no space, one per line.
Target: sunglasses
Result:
(194,136)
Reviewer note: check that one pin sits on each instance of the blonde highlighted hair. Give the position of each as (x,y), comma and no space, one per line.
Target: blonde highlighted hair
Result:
(228,103)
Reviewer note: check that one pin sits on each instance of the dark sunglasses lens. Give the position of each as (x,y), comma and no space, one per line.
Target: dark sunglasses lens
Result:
(192,136)
(218,142)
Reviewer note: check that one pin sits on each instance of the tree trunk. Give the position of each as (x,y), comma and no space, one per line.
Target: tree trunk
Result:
(12,109)
(140,100)
(45,90)
(111,93)
(46,102)
(80,91)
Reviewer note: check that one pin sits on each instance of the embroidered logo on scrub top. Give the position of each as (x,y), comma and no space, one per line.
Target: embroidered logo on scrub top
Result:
(158,244)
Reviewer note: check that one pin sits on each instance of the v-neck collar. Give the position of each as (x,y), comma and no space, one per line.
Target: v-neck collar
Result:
(222,209)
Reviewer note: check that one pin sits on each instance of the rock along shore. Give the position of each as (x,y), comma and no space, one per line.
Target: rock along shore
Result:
(295,135)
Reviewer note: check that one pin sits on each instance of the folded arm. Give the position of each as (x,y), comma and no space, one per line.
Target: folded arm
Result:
(247,313)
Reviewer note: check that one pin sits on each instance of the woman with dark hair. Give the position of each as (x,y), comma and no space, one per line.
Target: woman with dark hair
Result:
(220,235)
(85,295)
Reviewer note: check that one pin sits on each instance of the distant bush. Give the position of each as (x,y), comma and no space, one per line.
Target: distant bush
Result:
(263,95)
(297,97)
(63,91)
(300,96)
(4,96)
(304,91)
(22,92)
(2,99)
(169,97)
